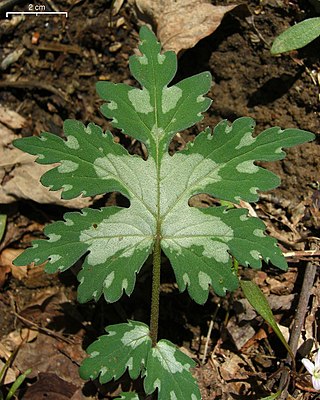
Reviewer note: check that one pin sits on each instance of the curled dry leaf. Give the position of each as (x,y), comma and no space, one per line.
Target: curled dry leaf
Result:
(6,266)
(181,24)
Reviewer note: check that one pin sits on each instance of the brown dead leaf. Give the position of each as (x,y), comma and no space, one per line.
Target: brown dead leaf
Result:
(10,376)
(51,387)
(43,355)
(181,24)
(6,258)
(11,118)
(4,271)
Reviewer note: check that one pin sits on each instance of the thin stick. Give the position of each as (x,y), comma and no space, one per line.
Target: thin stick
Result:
(307,285)
(207,343)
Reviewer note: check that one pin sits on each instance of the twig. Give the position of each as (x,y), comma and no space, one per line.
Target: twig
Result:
(35,85)
(307,285)
(207,343)
(42,329)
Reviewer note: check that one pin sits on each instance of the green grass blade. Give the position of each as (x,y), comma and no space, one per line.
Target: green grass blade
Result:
(17,383)
(297,36)
(272,396)
(3,220)
(259,302)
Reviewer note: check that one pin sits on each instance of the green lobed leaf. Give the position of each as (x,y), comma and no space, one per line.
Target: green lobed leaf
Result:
(198,242)
(156,112)
(84,156)
(297,36)
(112,236)
(128,347)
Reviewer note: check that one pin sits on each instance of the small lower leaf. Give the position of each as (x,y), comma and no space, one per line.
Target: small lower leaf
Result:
(168,370)
(125,347)
(128,347)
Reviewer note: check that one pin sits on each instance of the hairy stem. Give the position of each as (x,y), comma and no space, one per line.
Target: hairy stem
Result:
(155,299)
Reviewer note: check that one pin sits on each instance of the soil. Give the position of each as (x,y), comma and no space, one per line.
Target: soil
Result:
(248,81)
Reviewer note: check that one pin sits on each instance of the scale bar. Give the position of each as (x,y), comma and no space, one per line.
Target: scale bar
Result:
(36,13)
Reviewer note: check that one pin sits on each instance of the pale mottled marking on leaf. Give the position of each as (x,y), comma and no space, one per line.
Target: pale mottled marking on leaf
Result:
(91,376)
(157,384)
(197,229)
(165,354)
(228,128)
(43,139)
(108,280)
(103,370)
(112,105)
(54,258)
(88,130)
(237,198)
(53,237)
(136,234)
(157,131)
(40,156)
(259,233)
(194,397)
(161,58)
(200,99)
(95,294)
(94,354)
(68,222)
(253,190)
(72,142)
(204,280)
(112,333)
(84,213)
(199,114)
(173,395)
(124,284)
(140,99)
(170,98)
(67,166)
(131,172)
(193,174)
(67,187)
(255,254)
(36,260)
(143,60)
(246,140)
(247,167)
(129,364)
(135,337)
(209,136)
(278,150)
(83,192)
(61,267)
(114,120)
(244,217)
(186,279)
(35,245)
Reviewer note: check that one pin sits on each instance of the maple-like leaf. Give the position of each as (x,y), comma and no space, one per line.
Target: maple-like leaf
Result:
(199,242)
(128,347)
